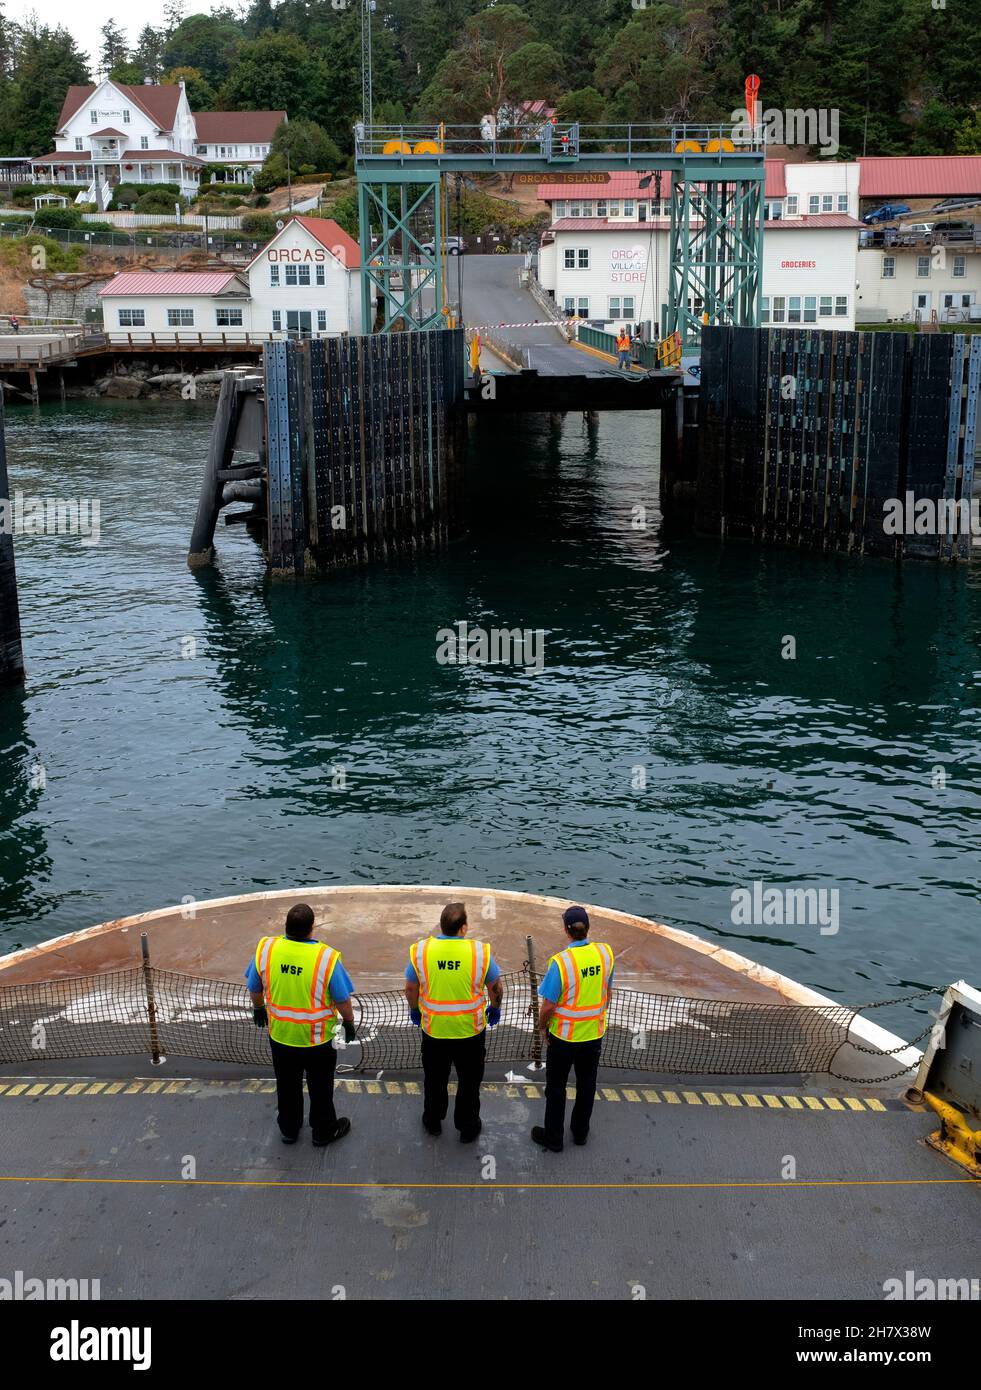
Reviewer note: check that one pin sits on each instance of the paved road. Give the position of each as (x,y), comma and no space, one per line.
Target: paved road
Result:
(491,295)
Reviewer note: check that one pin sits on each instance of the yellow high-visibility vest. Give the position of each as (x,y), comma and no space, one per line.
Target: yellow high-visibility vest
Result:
(296,981)
(580,1014)
(451,974)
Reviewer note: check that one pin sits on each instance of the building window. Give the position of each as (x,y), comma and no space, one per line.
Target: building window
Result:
(889,267)
(578,306)
(791,205)
(321,274)
(628,207)
(774,211)
(297,274)
(842,202)
(960,267)
(228,318)
(601,208)
(810,309)
(79,144)
(125,116)
(201,149)
(841,306)
(180,318)
(569,304)
(575,209)
(132,318)
(574,258)
(583,254)
(828,202)
(277,321)
(793,309)
(614,206)
(559,208)
(779,308)
(274,277)
(621,307)
(923,267)
(94,117)
(144,142)
(825,309)
(321,320)
(814,203)
(765,309)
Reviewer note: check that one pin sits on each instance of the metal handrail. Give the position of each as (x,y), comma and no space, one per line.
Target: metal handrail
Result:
(631,139)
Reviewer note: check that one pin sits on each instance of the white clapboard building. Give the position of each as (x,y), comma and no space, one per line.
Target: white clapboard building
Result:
(303,283)
(114,133)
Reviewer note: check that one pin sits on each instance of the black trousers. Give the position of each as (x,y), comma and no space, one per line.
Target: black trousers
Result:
(561,1057)
(317,1064)
(467,1056)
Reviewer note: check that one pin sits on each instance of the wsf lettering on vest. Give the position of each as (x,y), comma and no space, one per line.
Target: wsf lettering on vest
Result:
(589,970)
(291,969)
(448,964)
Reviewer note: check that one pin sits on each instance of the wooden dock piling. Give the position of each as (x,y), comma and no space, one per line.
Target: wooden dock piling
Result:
(11,649)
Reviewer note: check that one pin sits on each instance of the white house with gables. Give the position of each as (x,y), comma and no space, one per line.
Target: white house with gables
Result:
(114,133)
(302,284)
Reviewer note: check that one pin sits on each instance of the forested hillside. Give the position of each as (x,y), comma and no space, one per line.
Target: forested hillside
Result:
(903,73)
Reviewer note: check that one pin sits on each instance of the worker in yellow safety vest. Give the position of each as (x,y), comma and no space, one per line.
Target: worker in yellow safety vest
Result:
(445,982)
(574,998)
(299,990)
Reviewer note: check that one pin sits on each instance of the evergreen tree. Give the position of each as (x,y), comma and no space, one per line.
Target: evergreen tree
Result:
(114,49)
(148,52)
(48,63)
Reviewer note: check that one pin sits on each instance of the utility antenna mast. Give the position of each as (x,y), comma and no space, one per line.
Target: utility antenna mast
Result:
(367,103)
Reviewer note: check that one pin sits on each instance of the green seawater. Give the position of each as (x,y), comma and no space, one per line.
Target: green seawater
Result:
(215,733)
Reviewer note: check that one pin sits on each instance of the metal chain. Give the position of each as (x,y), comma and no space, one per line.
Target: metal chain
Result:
(877,1051)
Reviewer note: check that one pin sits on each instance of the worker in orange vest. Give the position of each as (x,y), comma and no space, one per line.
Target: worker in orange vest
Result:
(623,350)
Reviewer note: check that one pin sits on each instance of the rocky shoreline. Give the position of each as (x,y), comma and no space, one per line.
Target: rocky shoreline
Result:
(141,379)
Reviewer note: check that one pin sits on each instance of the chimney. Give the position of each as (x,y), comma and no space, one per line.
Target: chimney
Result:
(148,81)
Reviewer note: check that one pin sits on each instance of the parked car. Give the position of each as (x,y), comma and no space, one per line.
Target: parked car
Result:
(950,204)
(887,213)
(453,246)
(911,232)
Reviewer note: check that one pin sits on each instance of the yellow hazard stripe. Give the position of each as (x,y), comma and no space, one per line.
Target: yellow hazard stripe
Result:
(802,1102)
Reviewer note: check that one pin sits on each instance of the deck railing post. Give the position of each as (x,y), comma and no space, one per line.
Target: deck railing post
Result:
(150,1001)
(536,1038)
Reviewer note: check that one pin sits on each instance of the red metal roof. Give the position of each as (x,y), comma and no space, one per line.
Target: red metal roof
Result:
(109,130)
(828,221)
(325,230)
(920,176)
(776,178)
(237,127)
(173,282)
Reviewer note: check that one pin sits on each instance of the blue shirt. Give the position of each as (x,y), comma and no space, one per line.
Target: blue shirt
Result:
(493,970)
(550,988)
(341,984)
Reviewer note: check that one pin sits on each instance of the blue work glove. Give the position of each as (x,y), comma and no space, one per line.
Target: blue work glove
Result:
(493,1016)
(416,1016)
